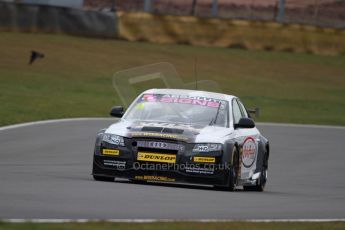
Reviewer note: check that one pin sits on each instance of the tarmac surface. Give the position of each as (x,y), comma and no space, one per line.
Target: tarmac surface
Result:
(45,173)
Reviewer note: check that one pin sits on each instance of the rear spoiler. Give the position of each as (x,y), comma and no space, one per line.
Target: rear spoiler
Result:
(255,112)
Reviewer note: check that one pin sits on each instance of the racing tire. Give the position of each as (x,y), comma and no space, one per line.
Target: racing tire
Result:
(260,186)
(104,178)
(233,174)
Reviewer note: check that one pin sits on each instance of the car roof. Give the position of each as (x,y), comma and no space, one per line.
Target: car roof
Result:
(219,96)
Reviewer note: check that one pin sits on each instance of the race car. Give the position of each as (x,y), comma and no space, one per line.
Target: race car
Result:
(183,136)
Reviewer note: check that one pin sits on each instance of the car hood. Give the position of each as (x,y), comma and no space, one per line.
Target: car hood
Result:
(183,132)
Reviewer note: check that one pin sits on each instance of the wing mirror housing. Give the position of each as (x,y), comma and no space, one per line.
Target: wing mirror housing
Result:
(245,123)
(117,111)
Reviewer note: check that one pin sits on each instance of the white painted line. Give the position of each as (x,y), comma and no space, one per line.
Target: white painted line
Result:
(165,220)
(295,220)
(21,125)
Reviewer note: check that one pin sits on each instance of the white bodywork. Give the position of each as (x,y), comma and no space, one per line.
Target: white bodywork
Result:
(209,134)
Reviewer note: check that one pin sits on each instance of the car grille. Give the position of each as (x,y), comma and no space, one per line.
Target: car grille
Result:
(159,146)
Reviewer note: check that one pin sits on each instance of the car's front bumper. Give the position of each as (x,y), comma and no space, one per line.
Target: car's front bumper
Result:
(184,170)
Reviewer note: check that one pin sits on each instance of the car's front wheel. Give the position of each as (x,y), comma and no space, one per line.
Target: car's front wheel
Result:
(260,186)
(103,178)
(233,172)
(234,169)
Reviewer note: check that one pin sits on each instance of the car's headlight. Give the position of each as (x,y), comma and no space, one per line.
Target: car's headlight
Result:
(207,147)
(113,139)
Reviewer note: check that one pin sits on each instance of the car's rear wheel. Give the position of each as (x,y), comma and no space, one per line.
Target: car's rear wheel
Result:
(103,178)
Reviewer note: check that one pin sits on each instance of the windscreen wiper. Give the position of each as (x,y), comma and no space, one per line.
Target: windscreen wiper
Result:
(214,120)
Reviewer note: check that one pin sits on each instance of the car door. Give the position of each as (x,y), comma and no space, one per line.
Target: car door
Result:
(247,138)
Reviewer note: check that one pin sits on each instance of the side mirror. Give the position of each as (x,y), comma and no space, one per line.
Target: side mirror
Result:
(245,123)
(117,111)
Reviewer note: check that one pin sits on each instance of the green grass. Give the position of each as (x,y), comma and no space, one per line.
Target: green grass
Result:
(74,79)
(177,226)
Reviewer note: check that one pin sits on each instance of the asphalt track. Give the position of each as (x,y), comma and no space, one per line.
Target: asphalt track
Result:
(45,173)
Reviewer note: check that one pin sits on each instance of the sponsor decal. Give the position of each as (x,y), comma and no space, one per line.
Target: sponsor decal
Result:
(156,157)
(183,99)
(249,151)
(116,164)
(200,170)
(140,106)
(112,152)
(201,148)
(204,159)
(155,178)
(159,135)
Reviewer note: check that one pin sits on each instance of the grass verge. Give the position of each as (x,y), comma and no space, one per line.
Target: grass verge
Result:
(74,79)
(178,226)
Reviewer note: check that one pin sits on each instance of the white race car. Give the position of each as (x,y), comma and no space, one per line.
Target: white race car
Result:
(188,136)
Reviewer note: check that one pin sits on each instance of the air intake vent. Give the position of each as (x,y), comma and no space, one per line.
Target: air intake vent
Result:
(162,130)
(170,130)
(152,129)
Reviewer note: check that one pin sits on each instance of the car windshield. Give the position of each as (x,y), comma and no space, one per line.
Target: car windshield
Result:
(179,109)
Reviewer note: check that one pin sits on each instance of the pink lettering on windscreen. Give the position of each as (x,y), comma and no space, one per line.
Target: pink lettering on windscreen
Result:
(149,98)
(191,101)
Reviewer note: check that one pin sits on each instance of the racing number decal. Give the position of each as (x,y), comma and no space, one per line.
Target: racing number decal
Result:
(249,151)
